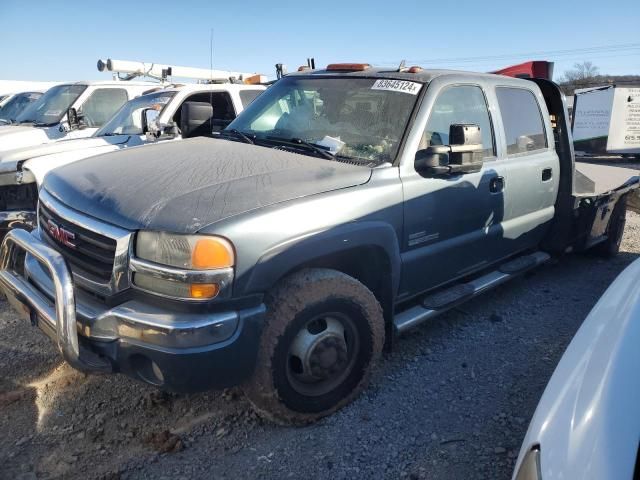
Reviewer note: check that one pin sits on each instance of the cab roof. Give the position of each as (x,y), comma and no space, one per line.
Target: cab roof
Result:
(206,87)
(118,83)
(422,76)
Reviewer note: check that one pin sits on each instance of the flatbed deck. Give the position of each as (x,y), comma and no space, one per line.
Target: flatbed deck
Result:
(594,180)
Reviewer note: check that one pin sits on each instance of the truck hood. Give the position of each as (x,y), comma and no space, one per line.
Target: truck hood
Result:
(20,136)
(588,419)
(184,186)
(20,154)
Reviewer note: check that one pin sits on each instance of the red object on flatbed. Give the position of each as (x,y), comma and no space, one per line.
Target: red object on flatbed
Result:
(534,69)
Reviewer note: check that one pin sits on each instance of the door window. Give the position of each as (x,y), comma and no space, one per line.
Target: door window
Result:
(248,96)
(223,111)
(102,104)
(522,120)
(459,104)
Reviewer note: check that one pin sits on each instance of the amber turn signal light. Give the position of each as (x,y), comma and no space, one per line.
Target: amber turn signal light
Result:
(212,253)
(204,290)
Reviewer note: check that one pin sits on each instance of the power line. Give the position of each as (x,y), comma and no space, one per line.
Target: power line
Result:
(545,53)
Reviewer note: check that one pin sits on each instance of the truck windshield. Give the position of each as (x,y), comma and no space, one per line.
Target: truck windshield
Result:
(10,110)
(359,118)
(52,106)
(128,120)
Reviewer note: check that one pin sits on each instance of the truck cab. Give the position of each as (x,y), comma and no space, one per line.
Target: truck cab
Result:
(343,207)
(90,105)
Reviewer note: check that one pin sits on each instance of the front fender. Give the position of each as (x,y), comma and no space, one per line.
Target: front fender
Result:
(294,253)
(40,166)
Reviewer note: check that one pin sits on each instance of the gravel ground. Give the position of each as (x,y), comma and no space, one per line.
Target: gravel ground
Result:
(452,401)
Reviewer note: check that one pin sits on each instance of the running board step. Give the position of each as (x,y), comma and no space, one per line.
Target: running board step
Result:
(439,302)
(443,298)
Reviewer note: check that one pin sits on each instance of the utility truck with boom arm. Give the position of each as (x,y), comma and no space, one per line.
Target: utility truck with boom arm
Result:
(344,206)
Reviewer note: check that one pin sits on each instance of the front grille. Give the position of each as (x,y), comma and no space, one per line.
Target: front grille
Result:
(93,255)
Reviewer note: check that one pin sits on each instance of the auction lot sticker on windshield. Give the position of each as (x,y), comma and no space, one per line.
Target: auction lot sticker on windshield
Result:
(404,86)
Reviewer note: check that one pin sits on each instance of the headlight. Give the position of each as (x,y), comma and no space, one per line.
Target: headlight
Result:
(183,266)
(194,252)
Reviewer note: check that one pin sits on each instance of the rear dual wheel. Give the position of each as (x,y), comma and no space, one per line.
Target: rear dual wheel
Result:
(324,334)
(615,230)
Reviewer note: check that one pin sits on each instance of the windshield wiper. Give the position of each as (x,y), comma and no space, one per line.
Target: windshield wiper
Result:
(298,142)
(240,135)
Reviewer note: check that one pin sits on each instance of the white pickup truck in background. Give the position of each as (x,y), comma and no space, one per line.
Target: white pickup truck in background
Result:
(89,104)
(15,104)
(163,115)
(10,88)
(16,95)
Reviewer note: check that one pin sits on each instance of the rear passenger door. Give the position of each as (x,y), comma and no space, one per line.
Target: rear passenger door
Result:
(533,165)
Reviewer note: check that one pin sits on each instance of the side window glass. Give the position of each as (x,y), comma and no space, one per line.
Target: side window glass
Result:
(248,96)
(522,120)
(459,104)
(101,105)
(223,111)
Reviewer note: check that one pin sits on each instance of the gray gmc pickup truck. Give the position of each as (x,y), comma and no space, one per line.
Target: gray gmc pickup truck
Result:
(342,207)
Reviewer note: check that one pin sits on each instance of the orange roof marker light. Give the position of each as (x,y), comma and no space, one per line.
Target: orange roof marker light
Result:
(414,69)
(348,67)
(256,79)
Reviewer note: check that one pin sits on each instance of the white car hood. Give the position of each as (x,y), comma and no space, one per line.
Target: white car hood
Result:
(25,153)
(12,137)
(588,420)
(19,136)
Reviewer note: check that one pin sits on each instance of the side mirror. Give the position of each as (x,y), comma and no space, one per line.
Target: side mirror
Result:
(195,119)
(72,118)
(462,155)
(148,121)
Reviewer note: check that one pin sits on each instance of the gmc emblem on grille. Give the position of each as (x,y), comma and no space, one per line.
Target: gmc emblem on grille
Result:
(61,235)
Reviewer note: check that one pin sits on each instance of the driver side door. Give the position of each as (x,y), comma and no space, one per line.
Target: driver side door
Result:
(453,224)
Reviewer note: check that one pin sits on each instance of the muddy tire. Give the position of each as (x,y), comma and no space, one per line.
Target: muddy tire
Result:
(323,336)
(611,246)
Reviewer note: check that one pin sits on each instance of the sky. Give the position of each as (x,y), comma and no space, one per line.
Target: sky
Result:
(63,40)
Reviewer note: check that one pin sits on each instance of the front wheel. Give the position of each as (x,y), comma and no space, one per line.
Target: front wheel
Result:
(324,334)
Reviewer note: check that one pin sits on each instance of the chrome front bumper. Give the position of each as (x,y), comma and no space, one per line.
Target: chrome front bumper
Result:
(41,289)
(58,321)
